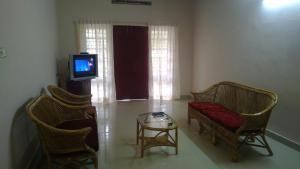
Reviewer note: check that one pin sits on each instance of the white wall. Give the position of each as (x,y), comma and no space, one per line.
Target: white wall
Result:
(28,33)
(244,41)
(175,12)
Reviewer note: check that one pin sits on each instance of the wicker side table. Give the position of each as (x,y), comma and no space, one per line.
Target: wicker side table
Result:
(161,126)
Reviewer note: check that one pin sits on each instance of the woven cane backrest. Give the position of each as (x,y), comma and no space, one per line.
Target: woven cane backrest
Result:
(244,99)
(46,110)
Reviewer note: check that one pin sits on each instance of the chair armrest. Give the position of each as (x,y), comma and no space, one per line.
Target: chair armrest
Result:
(82,98)
(90,112)
(75,99)
(69,112)
(255,121)
(76,102)
(69,97)
(78,96)
(65,141)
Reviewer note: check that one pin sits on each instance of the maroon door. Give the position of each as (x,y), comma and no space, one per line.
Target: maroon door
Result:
(131,62)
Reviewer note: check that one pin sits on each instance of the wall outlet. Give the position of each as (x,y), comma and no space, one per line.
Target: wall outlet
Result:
(2,53)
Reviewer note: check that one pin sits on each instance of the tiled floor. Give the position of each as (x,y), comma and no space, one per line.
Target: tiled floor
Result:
(117,129)
(117,132)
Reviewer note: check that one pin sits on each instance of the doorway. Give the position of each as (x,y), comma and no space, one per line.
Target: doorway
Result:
(131,52)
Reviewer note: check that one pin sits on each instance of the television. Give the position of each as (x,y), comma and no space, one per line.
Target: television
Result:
(83,66)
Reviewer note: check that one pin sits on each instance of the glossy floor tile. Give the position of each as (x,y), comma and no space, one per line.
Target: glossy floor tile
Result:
(118,150)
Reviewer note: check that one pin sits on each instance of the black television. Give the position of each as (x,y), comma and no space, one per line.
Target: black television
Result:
(83,66)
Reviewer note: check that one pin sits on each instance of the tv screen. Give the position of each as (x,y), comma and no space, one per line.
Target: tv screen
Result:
(83,66)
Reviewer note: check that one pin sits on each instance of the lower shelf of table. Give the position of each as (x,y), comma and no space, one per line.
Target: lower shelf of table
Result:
(157,141)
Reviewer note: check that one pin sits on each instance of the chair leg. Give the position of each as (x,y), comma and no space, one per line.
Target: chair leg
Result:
(234,153)
(214,138)
(95,161)
(267,145)
(48,162)
(250,138)
(189,119)
(201,127)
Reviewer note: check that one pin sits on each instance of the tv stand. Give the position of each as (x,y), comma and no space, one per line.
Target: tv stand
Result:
(82,87)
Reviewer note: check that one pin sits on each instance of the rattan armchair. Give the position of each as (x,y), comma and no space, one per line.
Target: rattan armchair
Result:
(68,97)
(62,146)
(251,107)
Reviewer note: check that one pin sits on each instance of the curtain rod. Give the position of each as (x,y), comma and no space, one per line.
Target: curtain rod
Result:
(123,22)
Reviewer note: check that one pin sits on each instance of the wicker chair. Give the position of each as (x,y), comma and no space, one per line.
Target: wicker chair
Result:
(68,97)
(247,111)
(62,143)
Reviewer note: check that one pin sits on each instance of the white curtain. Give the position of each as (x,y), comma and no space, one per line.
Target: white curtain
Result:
(96,38)
(164,83)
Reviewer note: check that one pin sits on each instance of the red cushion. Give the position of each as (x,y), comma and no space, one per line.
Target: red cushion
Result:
(92,138)
(219,113)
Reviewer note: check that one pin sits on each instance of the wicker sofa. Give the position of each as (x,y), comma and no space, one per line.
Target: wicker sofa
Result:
(235,113)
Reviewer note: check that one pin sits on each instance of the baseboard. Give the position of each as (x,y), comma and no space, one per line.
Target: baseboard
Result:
(290,143)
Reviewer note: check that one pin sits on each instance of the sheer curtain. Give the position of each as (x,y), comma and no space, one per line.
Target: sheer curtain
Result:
(96,38)
(164,81)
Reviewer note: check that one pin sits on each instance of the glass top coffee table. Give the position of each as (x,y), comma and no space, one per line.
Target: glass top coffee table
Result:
(160,125)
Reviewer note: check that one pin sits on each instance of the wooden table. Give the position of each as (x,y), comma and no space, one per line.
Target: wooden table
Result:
(160,126)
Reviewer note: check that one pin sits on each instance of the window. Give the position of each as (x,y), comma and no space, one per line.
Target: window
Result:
(164,82)
(96,38)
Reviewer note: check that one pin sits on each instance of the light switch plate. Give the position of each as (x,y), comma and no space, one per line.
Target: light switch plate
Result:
(2,53)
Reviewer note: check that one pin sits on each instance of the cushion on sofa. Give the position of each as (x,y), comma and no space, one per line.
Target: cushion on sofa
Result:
(219,113)
(92,138)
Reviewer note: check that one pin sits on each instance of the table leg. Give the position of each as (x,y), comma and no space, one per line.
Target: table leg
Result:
(142,146)
(137,132)
(176,140)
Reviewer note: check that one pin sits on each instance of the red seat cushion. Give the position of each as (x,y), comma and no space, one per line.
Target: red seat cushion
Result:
(219,113)
(92,138)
